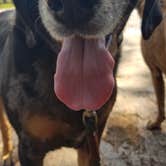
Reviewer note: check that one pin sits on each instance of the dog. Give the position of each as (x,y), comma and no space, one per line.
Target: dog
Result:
(54,65)
(153,51)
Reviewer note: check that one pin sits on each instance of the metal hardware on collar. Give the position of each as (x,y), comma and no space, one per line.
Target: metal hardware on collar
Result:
(90,121)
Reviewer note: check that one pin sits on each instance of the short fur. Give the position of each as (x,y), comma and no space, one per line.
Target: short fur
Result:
(6,133)
(28,51)
(154,53)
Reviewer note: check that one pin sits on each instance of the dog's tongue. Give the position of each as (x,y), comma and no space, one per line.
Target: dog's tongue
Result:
(83,78)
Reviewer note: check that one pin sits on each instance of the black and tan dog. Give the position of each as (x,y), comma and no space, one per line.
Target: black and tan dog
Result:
(42,81)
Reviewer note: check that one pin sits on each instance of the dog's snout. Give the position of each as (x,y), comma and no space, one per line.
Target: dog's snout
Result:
(73,13)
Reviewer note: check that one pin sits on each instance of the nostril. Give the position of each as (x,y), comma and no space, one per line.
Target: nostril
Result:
(55,5)
(87,3)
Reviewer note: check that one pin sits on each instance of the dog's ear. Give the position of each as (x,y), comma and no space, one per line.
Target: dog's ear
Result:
(152,17)
(28,9)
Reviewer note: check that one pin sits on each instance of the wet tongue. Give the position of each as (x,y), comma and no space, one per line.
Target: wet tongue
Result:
(83,78)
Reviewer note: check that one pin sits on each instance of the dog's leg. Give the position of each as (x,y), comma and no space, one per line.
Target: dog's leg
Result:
(30,153)
(158,84)
(6,136)
(86,157)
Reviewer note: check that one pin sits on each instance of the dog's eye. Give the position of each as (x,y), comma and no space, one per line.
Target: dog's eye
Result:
(55,5)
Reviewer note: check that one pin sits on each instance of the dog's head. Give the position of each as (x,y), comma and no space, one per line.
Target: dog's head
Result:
(83,78)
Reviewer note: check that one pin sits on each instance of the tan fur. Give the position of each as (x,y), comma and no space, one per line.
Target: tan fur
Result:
(6,133)
(43,128)
(154,53)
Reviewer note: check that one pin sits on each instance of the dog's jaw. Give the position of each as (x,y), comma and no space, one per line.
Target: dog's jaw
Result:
(106,18)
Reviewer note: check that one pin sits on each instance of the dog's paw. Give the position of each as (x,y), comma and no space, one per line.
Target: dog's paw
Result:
(7,160)
(154,125)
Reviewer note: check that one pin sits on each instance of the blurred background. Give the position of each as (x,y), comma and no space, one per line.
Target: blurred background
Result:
(5,1)
(4,4)
(126,141)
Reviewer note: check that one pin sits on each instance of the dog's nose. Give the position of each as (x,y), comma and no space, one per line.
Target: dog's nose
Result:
(73,13)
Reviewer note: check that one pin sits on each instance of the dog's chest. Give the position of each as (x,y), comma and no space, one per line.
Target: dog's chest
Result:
(45,128)
(44,117)
(30,96)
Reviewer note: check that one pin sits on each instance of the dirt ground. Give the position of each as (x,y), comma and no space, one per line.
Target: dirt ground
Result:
(126,142)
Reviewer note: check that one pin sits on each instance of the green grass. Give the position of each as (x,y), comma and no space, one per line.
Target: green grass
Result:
(6,6)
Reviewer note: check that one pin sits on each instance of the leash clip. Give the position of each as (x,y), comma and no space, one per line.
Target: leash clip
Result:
(90,121)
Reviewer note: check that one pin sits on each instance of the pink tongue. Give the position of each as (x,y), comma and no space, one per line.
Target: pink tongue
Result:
(83,78)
